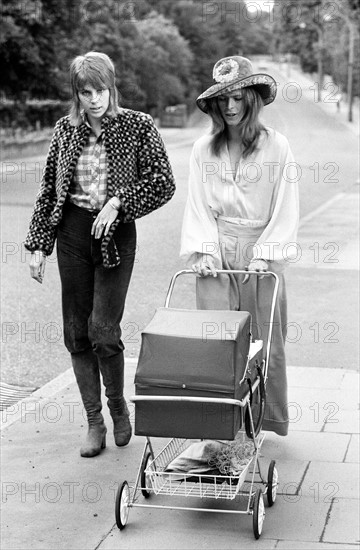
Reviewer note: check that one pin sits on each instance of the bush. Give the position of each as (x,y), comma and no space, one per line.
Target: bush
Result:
(32,115)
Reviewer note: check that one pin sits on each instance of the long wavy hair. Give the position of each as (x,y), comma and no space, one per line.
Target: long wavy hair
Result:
(250,127)
(92,69)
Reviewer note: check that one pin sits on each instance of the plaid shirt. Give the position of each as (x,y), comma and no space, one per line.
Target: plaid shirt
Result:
(88,188)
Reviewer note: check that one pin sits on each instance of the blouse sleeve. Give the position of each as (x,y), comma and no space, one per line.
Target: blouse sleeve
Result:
(278,241)
(199,230)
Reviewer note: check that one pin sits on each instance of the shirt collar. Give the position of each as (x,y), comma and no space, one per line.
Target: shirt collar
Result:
(105,121)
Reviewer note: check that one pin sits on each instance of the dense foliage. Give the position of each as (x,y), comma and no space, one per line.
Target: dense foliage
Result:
(163,50)
(320,31)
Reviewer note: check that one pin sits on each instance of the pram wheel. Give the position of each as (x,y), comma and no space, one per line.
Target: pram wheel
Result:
(258,513)
(122,505)
(257,408)
(143,476)
(272,483)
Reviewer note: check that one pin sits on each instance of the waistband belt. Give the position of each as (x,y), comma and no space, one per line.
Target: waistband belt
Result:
(242,221)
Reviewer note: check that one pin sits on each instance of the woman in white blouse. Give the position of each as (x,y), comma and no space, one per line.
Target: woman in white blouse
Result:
(242,213)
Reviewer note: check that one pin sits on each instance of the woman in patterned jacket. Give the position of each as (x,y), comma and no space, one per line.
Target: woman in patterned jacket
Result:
(106,167)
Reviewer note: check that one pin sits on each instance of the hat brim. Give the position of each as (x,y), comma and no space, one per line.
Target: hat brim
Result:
(263,83)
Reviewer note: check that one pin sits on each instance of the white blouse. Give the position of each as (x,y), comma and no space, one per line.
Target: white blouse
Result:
(263,193)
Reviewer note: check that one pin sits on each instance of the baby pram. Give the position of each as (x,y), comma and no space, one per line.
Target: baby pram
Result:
(201,379)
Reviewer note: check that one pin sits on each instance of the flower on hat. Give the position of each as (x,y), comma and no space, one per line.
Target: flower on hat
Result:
(226,71)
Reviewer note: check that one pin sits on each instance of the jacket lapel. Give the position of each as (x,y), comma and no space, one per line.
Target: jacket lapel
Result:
(68,157)
(115,141)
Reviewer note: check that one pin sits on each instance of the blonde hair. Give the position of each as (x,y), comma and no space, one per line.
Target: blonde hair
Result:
(93,69)
(250,127)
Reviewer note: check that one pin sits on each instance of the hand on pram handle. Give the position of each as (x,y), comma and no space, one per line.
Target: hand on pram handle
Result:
(205,266)
(255,265)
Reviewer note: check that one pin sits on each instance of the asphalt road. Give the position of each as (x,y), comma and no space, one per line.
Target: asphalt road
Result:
(323,313)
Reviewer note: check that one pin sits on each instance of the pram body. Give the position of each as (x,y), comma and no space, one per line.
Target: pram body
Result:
(194,353)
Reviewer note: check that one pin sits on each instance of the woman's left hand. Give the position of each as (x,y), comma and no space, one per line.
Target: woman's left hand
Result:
(103,221)
(255,265)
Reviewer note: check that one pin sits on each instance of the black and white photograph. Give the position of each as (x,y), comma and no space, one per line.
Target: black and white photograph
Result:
(180,274)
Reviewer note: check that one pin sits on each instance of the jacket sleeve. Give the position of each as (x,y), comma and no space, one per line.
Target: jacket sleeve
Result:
(41,234)
(155,184)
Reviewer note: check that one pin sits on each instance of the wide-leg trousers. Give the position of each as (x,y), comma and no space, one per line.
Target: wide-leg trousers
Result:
(237,241)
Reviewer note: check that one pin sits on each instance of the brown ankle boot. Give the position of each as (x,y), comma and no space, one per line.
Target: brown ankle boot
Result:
(95,441)
(122,426)
(112,370)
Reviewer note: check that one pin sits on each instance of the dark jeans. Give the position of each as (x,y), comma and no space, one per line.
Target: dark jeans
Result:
(93,297)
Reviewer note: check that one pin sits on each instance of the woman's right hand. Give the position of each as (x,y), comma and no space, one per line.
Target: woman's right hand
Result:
(37,265)
(204,266)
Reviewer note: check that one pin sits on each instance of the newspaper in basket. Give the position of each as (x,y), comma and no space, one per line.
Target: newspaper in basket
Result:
(198,353)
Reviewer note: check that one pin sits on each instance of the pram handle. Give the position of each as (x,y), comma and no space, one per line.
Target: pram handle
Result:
(237,272)
(190,399)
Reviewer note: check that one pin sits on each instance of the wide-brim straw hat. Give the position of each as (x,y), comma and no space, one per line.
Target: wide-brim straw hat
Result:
(234,73)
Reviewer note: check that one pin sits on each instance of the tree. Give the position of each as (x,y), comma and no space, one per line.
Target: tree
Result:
(217,29)
(349,15)
(316,34)
(167,59)
(202,32)
(19,51)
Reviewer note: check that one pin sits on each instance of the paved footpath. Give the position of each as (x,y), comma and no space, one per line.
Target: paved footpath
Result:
(53,499)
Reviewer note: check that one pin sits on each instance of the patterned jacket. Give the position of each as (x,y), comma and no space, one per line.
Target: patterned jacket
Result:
(139,174)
